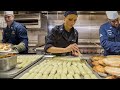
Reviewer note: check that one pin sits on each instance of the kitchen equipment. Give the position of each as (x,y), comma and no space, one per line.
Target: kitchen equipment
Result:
(16,71)
(7,61)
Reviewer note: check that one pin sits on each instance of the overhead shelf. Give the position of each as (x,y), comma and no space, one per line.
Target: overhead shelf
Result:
(30,20)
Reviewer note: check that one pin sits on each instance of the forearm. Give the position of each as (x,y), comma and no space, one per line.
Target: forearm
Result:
(25,41)
(57,50)
(111,46)
(20,47)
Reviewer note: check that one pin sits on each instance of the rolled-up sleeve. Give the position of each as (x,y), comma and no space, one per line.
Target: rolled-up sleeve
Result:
(50,39)
(113,47)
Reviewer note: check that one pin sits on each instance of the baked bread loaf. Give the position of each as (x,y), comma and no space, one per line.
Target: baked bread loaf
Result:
(112,70)
(96,58)
(99,68)
(95,63)
(99,62)
(115,62)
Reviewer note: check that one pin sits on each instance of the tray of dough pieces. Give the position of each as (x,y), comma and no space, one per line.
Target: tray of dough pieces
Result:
(23,62)
(58,68)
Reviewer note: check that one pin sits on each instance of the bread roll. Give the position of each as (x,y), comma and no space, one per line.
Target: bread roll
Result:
(87,77)
(63,76)
(96,58)
(112,70)
(115,62)
(99,68)
(69,76)
(93,76)
(77,76)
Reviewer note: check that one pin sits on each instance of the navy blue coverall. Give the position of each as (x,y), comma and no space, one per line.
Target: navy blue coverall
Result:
(110,39)
(16,34)
(59,37)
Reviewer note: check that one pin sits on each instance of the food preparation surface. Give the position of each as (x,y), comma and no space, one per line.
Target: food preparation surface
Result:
(23,62)
(59,68)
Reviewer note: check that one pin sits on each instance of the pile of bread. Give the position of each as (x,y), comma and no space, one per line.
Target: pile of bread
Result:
(5,46)
(109,65)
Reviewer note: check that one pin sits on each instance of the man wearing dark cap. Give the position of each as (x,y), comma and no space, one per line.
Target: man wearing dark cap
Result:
(63,39)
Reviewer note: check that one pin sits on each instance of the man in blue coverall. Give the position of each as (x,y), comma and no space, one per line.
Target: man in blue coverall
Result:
(110,34)
(15,33)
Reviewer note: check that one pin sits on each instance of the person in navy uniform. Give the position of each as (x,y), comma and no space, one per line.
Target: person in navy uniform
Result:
(63,39)
(15,33)
(110,34)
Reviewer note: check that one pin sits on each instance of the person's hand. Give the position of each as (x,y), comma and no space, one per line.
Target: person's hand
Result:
(76,53)
(72,47)
(20,47)
(14,50)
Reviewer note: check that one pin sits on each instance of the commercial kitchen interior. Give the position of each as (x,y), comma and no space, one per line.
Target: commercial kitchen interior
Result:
(39,23)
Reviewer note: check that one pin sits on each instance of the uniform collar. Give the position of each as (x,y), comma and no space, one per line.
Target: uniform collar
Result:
(64,34)
(110,26)
(11,24)
(62,28)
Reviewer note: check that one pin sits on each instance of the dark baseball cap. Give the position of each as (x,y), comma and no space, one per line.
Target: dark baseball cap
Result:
(70,12)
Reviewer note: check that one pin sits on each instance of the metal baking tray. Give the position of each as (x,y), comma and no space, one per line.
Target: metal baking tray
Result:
(21,74)
(45,58)
(14,72)
(101,75)
(8,63)
(95,73)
